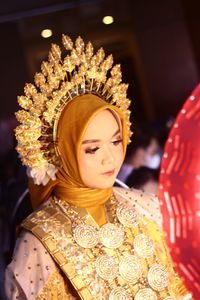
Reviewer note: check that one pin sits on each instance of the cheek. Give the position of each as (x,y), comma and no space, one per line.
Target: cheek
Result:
(120,154)
(86,165)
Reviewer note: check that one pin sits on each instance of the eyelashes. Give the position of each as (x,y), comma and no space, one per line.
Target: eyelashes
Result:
(93,150)
(117,142)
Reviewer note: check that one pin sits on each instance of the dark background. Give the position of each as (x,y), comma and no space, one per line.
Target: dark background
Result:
(157,43)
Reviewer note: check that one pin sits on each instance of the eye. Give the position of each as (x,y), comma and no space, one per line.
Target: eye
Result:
(91,150)
(116,142)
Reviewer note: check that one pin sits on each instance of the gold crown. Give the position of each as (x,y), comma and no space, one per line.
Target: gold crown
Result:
(60,80)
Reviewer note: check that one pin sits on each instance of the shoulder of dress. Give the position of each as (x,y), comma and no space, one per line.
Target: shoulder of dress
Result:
(39,217)
(131,194)
(146,204)
(37,212)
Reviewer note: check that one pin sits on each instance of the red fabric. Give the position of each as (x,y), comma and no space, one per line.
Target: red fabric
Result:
(179,192)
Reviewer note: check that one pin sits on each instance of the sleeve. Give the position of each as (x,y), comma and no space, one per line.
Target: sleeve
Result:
(32,274)
(12,288)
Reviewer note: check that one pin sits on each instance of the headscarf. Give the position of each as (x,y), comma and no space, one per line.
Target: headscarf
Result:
(68,185)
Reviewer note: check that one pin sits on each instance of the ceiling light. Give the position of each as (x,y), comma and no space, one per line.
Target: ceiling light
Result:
(108,20)
(46,33)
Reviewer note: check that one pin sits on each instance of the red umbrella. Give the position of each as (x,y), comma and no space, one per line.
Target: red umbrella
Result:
(179,192)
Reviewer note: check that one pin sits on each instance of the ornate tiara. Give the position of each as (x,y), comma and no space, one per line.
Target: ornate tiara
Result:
(60,80)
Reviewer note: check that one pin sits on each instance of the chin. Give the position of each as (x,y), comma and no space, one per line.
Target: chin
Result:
(106,185)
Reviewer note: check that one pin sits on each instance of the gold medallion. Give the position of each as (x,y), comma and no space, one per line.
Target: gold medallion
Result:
(85,236)
(119,293)
(158,277)
(106,267)
(143,245)
(130,268)
(127,216)
(111,236)
(145,294)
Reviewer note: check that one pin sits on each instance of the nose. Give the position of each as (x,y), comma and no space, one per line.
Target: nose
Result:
(108,156)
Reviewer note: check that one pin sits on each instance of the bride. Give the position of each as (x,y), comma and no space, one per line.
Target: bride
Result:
(85,239)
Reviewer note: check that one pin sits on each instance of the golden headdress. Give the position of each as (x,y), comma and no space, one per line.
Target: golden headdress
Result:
(60,80)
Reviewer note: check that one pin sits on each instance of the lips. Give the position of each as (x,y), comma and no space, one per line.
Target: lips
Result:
(109,173)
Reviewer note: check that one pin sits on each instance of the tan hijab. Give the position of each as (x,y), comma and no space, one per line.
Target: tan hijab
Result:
(69,186)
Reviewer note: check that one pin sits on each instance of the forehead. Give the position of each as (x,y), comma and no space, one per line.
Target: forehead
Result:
(104,124)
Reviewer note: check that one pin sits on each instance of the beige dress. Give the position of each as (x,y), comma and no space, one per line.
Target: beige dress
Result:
(33,274)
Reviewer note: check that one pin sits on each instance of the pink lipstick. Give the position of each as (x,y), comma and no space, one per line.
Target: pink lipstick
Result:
(109,173)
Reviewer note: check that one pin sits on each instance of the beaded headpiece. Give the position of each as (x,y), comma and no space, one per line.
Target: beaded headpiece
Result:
(60,80)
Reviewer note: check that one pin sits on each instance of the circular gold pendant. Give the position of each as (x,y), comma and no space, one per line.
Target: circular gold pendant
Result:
(119,293)
(145,294)
(143,245)
(106,267)
(111,236)
(130,268)
(127,216)
(158,277)
(85,236)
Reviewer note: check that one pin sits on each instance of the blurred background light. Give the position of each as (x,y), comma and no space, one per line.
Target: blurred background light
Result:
(108,20)
(46,33)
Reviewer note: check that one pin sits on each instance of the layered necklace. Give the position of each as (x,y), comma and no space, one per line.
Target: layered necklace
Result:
(122,255)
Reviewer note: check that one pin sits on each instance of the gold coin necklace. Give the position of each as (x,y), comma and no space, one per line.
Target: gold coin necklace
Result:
(112,236)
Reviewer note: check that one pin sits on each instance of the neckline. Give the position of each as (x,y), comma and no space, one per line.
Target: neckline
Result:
(81,213)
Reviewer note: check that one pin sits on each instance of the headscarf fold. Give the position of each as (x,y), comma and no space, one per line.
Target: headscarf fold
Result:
(68,185)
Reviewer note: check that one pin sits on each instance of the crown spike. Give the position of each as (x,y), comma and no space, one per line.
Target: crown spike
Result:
(89,50)
(79,43)
(100,55)
(67,42)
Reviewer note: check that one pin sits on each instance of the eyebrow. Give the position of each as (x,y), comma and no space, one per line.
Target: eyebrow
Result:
(95,141)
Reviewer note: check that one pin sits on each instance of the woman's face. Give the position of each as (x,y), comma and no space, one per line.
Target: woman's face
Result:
(101,153)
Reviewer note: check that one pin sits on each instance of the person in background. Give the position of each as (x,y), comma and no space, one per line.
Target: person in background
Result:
(145,179)
(143,151)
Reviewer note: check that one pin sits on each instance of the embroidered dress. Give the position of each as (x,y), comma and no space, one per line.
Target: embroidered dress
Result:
(126,258)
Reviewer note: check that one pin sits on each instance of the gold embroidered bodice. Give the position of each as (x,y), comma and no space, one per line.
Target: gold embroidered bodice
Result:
(126,258)
(55,288)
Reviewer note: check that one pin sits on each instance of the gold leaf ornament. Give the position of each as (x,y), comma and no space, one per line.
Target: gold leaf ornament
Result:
(63,76)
